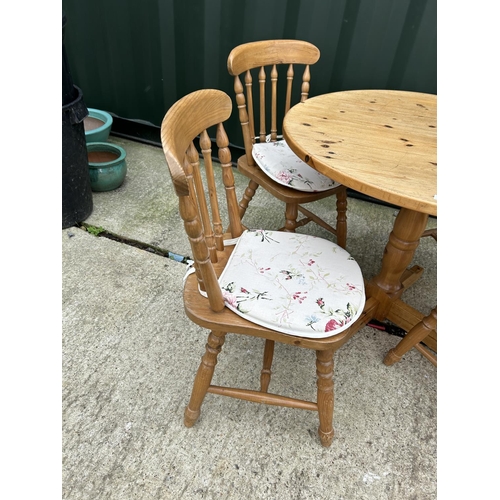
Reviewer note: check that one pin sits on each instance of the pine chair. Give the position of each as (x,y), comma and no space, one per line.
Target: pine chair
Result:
(268,161)
(292,288)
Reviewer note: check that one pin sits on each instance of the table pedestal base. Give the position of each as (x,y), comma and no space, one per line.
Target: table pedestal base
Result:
(394,277)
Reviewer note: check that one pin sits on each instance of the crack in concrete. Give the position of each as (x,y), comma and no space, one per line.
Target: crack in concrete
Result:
(184,259)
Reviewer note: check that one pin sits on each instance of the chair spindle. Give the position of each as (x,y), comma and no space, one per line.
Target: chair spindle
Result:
(262,99)
(274,103)
(206,150)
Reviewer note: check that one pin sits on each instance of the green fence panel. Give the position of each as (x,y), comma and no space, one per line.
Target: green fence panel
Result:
(135,58)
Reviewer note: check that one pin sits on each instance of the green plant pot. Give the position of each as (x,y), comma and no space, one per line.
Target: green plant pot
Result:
(107,165)
(97,125)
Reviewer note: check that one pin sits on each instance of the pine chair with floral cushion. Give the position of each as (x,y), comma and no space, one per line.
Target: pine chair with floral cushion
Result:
(292,288)
(268,161)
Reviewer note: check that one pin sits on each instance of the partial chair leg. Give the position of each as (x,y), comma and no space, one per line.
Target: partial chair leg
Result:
(291,214)
(203,377)
(247,197)
(341,227)
(265,374)
(431,232)
(412,338)
(324,370)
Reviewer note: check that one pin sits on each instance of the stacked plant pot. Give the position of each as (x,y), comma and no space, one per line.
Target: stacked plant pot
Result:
(107,165)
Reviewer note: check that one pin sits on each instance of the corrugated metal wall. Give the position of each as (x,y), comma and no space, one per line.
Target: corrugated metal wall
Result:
(135,58)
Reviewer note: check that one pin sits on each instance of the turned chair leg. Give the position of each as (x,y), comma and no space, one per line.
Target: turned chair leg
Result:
(247,197)
(291,214)
(203,377)
(265,374)
(412,338)
(324,370)
(341,227)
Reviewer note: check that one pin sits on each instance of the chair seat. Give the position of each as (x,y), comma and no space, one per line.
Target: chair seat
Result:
(284,193)
(282,165)
(293,283)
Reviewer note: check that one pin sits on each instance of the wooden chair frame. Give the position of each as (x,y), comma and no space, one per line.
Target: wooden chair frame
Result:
(186,119)
(270,54)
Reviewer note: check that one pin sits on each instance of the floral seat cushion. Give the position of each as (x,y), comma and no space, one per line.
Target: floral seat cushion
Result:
(281,164)
(293,283)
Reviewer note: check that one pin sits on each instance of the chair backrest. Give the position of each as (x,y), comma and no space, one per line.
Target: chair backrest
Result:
(199,208)
(267,55)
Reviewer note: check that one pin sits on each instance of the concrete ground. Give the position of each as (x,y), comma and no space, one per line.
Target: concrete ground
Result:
(130,356)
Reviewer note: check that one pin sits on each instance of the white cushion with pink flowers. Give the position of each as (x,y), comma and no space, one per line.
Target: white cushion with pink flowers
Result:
(293,283)
(281,164)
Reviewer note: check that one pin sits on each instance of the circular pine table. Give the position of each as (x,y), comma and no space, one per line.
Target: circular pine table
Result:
(382,143)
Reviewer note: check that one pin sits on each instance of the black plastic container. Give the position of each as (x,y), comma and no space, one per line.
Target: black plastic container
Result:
(69,93)
(77,203)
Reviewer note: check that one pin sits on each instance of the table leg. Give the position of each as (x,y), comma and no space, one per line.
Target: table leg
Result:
(386,287)
(412,339)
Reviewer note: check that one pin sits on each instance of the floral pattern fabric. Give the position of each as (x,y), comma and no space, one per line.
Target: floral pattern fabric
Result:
(279,162)
(293,283)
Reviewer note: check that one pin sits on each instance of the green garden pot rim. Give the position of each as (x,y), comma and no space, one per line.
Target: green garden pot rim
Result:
(109,148)
(104,116)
